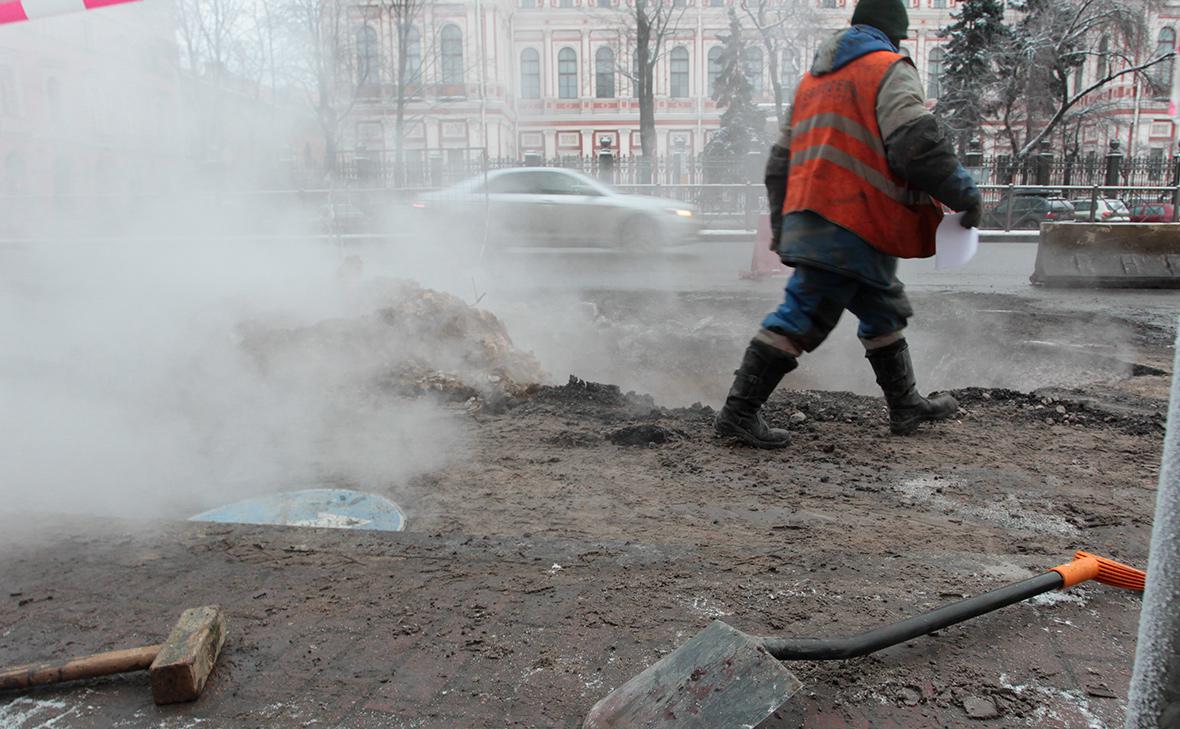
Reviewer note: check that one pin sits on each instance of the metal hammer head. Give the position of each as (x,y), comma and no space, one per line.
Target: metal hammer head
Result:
(186,658)
(721,678)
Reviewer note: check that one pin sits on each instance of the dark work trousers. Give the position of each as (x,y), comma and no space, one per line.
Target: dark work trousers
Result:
(815,298)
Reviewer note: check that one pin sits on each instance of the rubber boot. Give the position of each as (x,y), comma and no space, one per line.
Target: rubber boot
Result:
(895,375)
(763,367)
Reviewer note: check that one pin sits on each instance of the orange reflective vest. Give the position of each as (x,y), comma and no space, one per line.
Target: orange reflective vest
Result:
(838,165)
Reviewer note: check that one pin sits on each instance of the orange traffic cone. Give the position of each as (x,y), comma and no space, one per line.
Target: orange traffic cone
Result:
(764,262)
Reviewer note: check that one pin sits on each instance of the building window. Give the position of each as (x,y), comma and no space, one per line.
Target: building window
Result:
(452,55)
(567,74)
(528,4)
(565,4)
(413,57)
(714,69)
(604,3)
(679,65)
(368,55)
(938,4)
(604,73)
(1155,164)
(1104,57)
(530,74)
(934,72)
(716,3)
(753,58)
(680,3)
(1163,73)
(829,4)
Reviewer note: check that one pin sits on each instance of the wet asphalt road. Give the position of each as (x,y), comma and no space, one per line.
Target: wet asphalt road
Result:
(714,266)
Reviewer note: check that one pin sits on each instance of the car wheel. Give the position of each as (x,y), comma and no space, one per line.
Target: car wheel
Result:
(640,233)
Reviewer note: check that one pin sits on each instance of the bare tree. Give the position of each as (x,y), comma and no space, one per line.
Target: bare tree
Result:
(1033,94)
(212,32)
(782,26)
(648,23)
(421,71)
(323,62)
(405,17)
(266,29)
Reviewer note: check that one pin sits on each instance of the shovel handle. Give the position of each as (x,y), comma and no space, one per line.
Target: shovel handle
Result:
(100,664)
(835,649)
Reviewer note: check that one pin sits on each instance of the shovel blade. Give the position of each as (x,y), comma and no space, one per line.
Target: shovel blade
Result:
(721,679)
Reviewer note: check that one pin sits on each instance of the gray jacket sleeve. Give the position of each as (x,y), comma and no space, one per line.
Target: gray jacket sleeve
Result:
(777,167)
(915,145)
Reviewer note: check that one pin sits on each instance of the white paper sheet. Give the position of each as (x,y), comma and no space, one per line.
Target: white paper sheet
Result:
(954,244)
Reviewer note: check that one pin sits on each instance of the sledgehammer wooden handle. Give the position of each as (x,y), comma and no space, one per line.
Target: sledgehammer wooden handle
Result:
(99,664)
(178,667)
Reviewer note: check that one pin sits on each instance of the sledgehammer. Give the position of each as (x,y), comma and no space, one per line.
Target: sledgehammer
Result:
(177,667)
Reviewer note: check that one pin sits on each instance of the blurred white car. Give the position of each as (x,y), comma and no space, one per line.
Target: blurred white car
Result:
(551,206)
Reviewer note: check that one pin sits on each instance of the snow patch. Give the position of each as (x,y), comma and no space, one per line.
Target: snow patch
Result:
(1052,697)
(703,606)
(1050,599)
(1010,513)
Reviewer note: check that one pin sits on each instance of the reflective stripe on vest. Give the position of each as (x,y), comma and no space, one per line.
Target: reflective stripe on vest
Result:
(839,167)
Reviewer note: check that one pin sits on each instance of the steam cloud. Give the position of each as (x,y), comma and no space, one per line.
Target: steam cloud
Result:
(125,388)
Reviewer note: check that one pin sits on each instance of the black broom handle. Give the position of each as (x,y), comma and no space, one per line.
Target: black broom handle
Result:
(834,649)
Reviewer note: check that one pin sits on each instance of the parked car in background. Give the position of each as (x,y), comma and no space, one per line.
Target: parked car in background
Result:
(1107,210)
(550,206)
(1027,209)
(1153,213)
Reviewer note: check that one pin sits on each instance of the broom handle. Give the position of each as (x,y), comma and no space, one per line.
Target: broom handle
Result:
(834,649)
(100,664)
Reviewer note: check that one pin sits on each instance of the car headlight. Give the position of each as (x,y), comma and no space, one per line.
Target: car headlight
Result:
(680,212)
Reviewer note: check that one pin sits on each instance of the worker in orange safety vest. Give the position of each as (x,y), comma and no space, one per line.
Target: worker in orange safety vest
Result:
(854,184)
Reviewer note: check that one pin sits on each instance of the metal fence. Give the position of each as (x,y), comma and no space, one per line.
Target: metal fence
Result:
(1048,169)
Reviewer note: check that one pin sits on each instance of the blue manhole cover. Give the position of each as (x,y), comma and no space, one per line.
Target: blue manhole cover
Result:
(321,508)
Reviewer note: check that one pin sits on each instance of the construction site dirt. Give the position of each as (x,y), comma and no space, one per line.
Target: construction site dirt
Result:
(585,532)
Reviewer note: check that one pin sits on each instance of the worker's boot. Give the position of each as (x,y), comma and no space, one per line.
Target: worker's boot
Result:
(895,375)
(763,367)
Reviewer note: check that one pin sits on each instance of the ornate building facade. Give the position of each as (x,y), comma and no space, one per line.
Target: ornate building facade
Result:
(551,77)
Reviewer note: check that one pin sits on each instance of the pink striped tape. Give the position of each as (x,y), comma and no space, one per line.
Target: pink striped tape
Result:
(13,11)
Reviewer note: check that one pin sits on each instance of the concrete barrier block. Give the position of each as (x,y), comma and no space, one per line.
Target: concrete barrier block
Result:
(1114,255)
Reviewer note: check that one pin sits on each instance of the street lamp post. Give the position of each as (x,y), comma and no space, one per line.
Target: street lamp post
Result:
(606,160)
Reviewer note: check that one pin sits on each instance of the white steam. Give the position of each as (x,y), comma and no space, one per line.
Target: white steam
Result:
(124,387)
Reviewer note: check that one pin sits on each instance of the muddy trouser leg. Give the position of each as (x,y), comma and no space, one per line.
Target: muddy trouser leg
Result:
(812,304)
(883,314)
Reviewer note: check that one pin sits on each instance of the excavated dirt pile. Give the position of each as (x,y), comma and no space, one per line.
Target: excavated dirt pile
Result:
(418,341)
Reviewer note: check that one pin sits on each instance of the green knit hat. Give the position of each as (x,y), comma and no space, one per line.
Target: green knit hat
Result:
(888,16)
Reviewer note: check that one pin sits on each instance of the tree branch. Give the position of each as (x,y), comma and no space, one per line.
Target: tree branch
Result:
(1035,140)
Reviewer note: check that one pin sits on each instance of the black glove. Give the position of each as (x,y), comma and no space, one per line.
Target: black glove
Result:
(776,230)
(973,215)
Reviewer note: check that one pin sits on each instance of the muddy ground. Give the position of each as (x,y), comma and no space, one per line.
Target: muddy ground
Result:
(589,531)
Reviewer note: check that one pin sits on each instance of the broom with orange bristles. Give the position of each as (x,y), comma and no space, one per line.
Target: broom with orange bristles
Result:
(1115,574)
